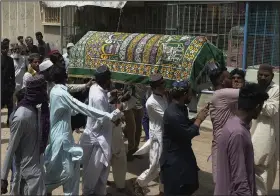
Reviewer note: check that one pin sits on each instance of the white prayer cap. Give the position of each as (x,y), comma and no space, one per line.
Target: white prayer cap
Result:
(45,65)
(69,45)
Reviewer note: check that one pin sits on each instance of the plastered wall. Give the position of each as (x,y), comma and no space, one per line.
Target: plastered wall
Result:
(24,18)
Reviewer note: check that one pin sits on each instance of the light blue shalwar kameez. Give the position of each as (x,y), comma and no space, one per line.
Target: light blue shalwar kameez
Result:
(62,155)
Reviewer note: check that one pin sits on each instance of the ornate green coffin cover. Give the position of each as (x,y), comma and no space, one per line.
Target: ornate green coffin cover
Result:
(134,57)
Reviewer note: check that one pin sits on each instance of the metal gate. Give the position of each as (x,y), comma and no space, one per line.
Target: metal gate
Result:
(263,34)
(213,20)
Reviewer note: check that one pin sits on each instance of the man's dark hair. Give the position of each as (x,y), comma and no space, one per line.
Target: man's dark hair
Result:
(33,56)
(38,34)
(20,94)
(4,46)
(250,96)
(177,94)
(102,75)
(239,72)
(58,73)
(154,85)
(19,37)
(55,57)
(215,75)
(6,40)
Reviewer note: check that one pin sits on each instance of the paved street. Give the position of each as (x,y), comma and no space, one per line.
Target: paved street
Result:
(201,146)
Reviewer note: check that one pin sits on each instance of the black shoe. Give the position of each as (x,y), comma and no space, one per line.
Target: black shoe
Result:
(110,183)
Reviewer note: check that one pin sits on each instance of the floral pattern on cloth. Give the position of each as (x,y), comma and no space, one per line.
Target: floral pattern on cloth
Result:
(139,54)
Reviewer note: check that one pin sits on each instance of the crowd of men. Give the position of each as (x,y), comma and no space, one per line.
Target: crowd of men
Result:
(43,155)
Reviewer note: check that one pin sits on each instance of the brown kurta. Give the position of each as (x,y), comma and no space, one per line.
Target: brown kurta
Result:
(222,107)
(235,160)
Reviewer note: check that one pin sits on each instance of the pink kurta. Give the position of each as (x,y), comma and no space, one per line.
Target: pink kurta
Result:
(222,107)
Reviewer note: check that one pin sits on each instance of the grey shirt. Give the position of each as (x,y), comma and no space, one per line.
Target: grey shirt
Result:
(24,143)
(235,161)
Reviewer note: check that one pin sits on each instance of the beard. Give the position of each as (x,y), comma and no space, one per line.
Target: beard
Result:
(187,101)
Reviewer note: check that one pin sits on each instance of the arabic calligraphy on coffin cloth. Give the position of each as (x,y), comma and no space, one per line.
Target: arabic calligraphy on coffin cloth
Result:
(138,54)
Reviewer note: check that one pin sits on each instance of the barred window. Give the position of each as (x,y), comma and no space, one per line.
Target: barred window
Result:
(51,15)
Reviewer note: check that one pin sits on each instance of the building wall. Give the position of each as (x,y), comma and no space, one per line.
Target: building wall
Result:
(24,18)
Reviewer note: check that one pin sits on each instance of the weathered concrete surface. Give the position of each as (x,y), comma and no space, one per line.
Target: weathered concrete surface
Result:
(202,149)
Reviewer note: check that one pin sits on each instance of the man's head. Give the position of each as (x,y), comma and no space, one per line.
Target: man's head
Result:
(58,73)
(20,39)
(265,75)
(238,78)
(34,60)
(39,36)
(181,92)
(4,49)
(45,68)
(16,51)
(6,41)
(220,78)
(251,99)
(55,57)
(36,90)
(69,46)
(29,41)
(103,77)
(157,83)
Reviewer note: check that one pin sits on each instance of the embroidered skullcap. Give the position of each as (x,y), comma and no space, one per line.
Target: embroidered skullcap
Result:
(181,84)
(155,77)
(45,65)
(266,67)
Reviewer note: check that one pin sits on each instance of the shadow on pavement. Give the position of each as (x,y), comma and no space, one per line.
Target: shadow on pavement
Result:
(206,185)
(137,166)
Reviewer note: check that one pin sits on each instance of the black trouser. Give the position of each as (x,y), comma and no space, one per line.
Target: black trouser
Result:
(175,181)
(7,100)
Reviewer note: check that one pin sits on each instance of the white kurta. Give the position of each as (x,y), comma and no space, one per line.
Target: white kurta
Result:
(96,143)
(265,138)
(156,105)
(119,161)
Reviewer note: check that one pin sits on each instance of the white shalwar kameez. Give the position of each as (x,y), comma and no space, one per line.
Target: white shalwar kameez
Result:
(119,160)
(156,105)
(96,143)
(265,139)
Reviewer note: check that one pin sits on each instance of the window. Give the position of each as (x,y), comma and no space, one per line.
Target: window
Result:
(51,16)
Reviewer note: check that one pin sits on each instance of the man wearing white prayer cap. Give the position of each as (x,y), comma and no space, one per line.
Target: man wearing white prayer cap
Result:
(67,54)
(44,68)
